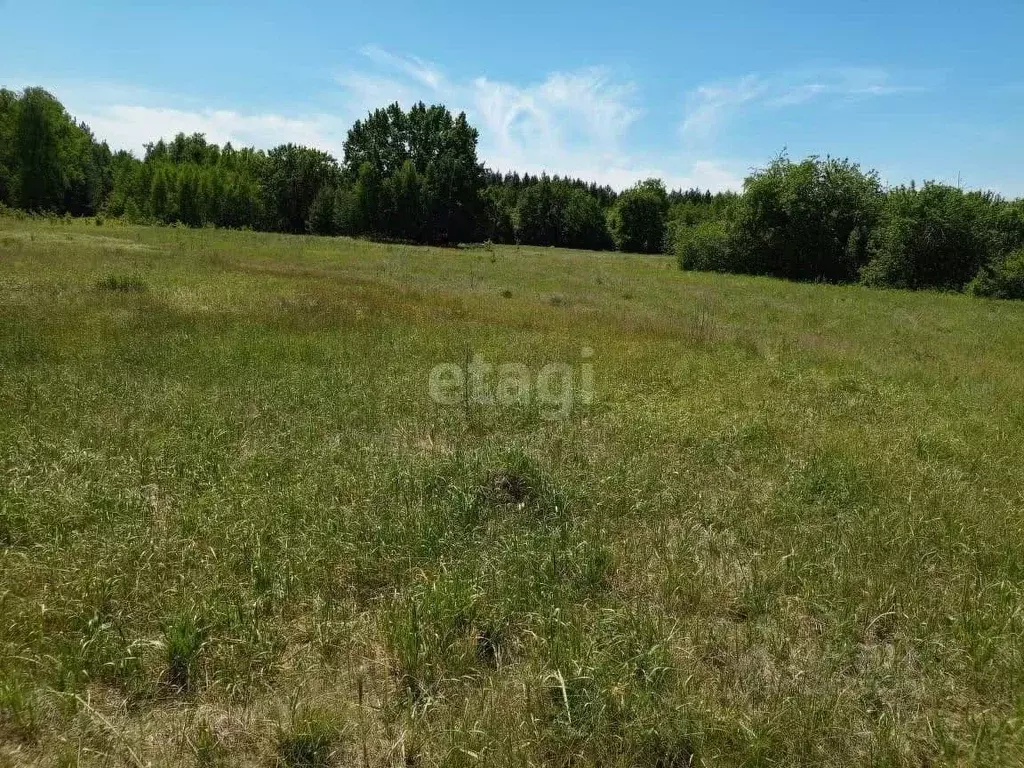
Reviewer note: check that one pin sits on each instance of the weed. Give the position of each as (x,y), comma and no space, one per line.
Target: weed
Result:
(701,326)
(184,639)
(19,716)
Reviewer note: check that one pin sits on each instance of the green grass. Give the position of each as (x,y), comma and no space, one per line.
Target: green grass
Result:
(236,530)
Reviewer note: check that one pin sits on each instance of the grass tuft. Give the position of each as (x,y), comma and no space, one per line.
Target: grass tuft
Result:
(122,284)
(521,485)
(311,739)
(184,639)
(19,716)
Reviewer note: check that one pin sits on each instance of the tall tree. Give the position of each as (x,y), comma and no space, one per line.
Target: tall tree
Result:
(442,151)
(321,212)
(42,131)
(8,155)
(407,202)
(291,178)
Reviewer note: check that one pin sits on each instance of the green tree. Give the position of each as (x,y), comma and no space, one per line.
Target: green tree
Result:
(585,224)
(442,150)
(188,204)
(807,220)
(1001,279)
(933,237)
(407,202)
(346,213)
(9,104)
(705,247)
(536,218)
(160,200)
(368,202)
(40,142)
(498,204)
(291,177)
(637,221)
(321,212)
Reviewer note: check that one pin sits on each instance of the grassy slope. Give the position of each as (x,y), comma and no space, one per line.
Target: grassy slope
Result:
(234,527)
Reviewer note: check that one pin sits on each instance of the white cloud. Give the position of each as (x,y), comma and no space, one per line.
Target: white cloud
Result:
(710,105)
(569,123)
(129,127)
(574,123)
(419,70)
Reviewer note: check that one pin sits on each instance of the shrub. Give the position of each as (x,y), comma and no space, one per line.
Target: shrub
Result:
(933,237)
(705,247)
(1002,279)
(808,220)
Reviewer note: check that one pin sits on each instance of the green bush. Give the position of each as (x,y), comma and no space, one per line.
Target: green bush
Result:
(807,220)
(705,247)
(1003,279)
(933,237)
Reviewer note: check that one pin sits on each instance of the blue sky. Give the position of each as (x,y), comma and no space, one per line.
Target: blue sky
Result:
(697,93)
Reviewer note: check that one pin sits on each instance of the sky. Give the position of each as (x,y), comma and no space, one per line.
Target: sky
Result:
(695,93)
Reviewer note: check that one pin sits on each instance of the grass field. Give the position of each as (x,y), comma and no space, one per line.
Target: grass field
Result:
(235,528)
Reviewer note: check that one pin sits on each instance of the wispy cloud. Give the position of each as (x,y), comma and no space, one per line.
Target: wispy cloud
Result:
(710,106)
(419,70)
(575,123)
(571,123)
(128,126)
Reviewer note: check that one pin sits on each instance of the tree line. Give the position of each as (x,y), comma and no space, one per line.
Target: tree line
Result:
(414,176)
(827,220)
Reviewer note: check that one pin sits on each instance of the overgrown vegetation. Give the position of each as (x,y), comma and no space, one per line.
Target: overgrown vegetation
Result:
(236,530)
(414,176)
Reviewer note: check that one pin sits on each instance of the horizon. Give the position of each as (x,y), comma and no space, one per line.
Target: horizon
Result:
(593,95)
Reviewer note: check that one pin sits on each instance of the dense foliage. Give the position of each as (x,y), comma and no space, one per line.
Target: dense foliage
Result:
(807,221)
(546,211)
(935,236)
(414,176)
(827,220)
(48,162)
(638,218)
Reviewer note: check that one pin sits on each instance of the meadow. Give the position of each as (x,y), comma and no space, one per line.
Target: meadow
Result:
(235,528)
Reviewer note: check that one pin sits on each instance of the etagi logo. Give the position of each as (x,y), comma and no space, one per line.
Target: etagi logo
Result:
(556,387)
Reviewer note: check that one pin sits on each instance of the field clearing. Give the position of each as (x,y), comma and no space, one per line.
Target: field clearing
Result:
(235,529)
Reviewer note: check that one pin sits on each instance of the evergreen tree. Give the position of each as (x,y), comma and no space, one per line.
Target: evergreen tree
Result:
(160,207)
(407,200)
(321,212)
(8,154)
